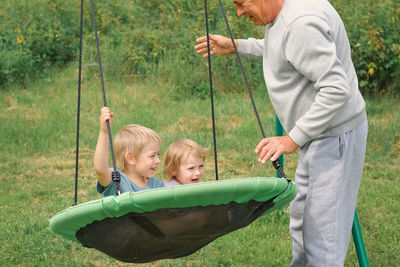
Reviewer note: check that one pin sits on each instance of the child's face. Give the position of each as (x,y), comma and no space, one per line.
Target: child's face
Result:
(190,170)
(147,161)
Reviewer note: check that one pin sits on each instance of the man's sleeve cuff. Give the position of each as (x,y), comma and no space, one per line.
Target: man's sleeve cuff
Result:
(298,136)
(250,48)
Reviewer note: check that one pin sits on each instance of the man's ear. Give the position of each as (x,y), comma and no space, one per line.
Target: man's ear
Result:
(130,158)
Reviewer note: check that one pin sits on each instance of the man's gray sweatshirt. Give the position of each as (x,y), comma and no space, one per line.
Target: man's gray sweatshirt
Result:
(308,71)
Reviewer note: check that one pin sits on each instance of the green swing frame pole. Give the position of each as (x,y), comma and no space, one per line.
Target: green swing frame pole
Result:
(279,132)
(355,230)
(359,242)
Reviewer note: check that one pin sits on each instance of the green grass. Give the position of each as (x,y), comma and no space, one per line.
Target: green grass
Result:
(37,168)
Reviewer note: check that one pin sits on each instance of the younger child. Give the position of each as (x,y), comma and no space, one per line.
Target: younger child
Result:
(184,163)
(136,150)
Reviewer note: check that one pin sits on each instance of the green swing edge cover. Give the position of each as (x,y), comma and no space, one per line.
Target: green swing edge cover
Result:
(239,190)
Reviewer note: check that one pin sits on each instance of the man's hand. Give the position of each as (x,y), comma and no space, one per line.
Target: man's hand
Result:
(219,45)
(273,147)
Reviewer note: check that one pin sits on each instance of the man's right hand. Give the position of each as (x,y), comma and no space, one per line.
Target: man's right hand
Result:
(219,45)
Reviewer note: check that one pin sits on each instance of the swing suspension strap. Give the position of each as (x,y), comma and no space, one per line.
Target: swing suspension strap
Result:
(277,164)
(211,92)
(115,174)
(78,107)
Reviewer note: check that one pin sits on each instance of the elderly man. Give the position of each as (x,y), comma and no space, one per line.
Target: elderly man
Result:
(313,87)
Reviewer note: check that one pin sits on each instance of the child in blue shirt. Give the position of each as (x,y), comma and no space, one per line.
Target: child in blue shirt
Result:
(136,150)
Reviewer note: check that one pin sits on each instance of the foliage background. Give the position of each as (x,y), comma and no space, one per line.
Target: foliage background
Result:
(157,37)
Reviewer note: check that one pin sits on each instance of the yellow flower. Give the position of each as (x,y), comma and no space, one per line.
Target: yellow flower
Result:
(370,71)
(20,40)
(179,11)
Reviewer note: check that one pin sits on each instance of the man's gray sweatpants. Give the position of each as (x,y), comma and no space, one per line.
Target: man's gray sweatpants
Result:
(321,216)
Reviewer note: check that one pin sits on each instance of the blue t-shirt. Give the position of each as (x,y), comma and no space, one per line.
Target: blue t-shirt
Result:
(127,185)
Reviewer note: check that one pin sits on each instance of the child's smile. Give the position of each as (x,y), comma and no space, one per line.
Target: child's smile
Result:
(148,160)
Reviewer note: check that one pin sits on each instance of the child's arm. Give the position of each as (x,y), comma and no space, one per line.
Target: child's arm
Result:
(101,153)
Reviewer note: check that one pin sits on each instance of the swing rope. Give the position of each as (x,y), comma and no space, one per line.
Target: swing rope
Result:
(115,175)
(277,164)
(211,92)
(78,107)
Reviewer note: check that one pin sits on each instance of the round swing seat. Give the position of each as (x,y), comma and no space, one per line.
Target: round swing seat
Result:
(171,222)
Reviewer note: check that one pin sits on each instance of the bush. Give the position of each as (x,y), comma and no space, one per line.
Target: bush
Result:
(152,37)
(374,33)
(36,35)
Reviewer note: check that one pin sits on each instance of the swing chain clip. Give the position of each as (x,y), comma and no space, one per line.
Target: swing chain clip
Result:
(116,178)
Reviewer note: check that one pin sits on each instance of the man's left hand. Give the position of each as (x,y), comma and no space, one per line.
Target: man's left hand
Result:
(273,147)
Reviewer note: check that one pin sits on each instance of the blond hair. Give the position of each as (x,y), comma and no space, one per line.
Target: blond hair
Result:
(177,152)
(132,138)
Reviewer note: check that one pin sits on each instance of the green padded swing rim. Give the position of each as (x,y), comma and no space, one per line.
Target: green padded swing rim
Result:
(69,221)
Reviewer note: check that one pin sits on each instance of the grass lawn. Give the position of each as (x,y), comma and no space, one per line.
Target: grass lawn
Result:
(37,168)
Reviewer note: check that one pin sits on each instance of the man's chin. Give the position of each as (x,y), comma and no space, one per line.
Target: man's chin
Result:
(258,23)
